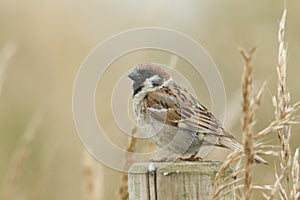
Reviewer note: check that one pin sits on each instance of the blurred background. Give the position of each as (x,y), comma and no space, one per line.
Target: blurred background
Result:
(43,43)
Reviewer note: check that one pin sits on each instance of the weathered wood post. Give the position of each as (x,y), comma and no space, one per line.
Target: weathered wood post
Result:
(178,180)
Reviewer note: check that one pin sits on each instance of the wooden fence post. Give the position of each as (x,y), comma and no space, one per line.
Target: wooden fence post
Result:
(179,180)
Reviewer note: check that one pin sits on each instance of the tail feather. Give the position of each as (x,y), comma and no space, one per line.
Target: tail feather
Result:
(231,143)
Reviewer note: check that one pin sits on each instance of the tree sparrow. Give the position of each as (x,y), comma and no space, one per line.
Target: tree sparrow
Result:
(173,118)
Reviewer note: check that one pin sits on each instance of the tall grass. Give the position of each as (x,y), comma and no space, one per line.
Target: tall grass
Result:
(284,118)
(131,147)
(247,120)
(22,150)
(6,54)
(19,158)
(92,178)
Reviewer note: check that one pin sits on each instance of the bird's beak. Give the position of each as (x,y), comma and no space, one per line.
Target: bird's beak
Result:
(134,75)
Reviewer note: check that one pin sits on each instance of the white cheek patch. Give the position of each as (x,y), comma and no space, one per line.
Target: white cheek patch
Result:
(149,81)
(148,84)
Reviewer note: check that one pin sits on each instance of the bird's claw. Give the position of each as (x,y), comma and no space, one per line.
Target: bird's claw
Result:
(192,158)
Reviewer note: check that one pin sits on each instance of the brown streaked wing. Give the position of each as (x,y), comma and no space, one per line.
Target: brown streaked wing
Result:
(177,107)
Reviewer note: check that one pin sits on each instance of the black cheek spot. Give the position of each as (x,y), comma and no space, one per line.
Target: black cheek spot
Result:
(157,82)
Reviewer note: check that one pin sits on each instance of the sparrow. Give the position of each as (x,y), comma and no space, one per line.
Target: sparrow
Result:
(173,118)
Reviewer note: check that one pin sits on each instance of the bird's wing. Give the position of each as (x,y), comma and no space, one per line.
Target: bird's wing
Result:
(175,106)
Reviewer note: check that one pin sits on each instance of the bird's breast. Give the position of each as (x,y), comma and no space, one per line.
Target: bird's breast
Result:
(170,138)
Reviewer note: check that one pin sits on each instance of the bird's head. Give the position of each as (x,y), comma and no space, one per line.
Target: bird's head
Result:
(148,76)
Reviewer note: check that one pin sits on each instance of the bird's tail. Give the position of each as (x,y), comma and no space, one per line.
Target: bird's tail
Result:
(231,143)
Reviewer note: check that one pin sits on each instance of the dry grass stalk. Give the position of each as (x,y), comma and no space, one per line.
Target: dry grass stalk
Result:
(283,97)
(92,178)
(249,106)
(6,54)
(287,119)
(257,99)
(216,191)
(19,157)
(173,61)
(295,192)
(247,120)
(131,147)
(220,192)
(281,110)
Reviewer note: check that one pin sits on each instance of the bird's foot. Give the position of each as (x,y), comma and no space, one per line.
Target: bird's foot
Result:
(191,158)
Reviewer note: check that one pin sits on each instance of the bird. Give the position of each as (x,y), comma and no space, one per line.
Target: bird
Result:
(173,118)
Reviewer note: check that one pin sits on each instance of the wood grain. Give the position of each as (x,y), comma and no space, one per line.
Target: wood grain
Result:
(179,180)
